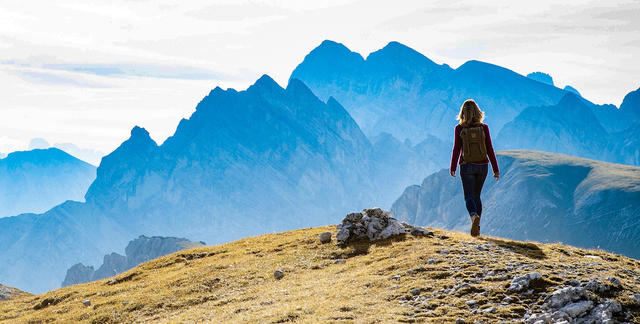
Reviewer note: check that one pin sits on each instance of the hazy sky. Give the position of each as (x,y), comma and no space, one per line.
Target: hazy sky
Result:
(87,71)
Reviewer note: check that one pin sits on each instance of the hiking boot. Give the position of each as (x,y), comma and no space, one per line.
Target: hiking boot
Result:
(475,225)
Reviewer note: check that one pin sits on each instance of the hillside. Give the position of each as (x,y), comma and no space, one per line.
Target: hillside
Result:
(446,277)
(35,181)
(540,196)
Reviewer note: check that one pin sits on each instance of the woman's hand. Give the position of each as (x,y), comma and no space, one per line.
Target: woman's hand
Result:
(453,173)
(496,175)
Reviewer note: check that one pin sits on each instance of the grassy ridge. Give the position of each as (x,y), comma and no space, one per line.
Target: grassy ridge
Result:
(405,279)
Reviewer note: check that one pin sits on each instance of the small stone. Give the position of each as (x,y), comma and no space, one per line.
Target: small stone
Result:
(471,302)
(578,308)
(415,291)
(87,303)
(396,277)
(574,283)
(460,321)
(278,274)
(615,281)
(340,261)
(521,283)
(431,261)
(112,281)
(635,298)
(488,310)
(325,237)
(444,251)
(507,300)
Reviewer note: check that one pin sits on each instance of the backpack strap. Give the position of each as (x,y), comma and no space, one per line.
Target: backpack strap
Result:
(465,144)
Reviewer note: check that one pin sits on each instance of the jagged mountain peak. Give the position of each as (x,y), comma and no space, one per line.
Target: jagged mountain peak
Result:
(541,77)
(332,49)
(476,66)
(138,132)
(571,99)
(572,89)
(265,83)
(327,60)
(140,141)
(397,53)
(298,88)
(118,167)
(632,101)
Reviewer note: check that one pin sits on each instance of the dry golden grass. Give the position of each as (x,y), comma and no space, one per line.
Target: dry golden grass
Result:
(234,283)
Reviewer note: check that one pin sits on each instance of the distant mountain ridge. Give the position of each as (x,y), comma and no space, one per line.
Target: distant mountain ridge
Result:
(37,180)
(402,92)
(140,250)
(397,90)
(572,127)
(540,196)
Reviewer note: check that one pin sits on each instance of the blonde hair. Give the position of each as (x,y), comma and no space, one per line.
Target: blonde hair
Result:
(470,114)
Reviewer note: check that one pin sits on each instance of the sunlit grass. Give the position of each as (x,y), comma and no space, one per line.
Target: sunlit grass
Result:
(234,282)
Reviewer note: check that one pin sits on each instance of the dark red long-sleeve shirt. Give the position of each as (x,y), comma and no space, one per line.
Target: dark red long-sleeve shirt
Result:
(457,148)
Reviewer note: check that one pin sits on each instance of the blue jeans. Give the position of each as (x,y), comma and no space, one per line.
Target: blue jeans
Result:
(473,176)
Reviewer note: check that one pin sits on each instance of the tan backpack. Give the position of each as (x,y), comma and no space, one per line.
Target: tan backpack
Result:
(473,146)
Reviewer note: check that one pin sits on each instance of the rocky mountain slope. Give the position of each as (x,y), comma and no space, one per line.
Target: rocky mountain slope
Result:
(137,251)
(7,293)
(245,163)
(540,196)
(447,277)
(35,181)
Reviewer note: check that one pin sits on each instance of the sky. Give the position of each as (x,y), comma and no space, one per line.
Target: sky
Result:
(85,72)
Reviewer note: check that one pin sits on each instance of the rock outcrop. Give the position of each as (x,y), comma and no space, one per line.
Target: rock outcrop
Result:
(541,77)
(7,293)
(582,304)
(137,251)
(375,224)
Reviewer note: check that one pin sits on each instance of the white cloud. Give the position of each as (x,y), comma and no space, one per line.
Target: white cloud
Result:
(86,72)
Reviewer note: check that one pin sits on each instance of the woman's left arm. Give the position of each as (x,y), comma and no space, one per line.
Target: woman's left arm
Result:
(490,153)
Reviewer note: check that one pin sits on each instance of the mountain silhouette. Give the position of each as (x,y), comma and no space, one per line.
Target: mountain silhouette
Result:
(402,92)
(36,180)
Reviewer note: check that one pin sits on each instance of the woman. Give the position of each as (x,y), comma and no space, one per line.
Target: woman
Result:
(472,138)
